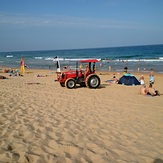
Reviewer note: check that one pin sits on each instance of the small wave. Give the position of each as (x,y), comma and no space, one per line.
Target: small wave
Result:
(49,58)
(74,59)
(161,58)
(9,56)
(142,60)
(38,57)
(131,56)
(56,59)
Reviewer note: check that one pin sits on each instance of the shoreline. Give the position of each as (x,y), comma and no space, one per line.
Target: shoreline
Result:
(106,66)
(2,68)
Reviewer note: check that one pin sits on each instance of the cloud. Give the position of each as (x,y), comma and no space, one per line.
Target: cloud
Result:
(22,20)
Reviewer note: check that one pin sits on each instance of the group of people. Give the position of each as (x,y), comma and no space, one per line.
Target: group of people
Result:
(150,90)
(16,72)
(86,69)
(12,72)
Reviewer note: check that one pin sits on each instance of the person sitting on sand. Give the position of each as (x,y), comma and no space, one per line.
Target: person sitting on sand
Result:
(115,78)
(38,75)
(143,90)
(3,77)
(14,72)
(151,91)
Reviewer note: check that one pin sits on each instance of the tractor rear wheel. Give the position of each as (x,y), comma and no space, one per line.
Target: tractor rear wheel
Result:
(70,83)
(93,81)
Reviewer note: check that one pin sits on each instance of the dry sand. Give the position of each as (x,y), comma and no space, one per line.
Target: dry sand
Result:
(45,123)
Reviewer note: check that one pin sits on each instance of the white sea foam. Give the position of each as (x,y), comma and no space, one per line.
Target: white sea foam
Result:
(73,59)
(38,57)
(56,59)
(49,58)
(9,56)
(142,60)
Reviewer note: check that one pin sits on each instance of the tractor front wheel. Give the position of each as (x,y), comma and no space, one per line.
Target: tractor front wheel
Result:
(62,84)
(93,81)
(70,83)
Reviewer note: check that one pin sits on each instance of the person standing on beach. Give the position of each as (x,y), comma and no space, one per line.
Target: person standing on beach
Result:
(151,76)
(22,64)
(125,70)
(142,82)
(109,68)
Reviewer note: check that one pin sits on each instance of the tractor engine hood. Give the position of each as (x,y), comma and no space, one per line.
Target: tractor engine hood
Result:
(69,72)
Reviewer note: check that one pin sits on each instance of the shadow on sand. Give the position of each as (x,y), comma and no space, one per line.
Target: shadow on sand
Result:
(158,161)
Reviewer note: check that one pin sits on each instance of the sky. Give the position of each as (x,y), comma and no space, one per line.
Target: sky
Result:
(75,24)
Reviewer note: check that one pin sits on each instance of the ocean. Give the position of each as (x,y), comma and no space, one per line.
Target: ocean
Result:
(136,58)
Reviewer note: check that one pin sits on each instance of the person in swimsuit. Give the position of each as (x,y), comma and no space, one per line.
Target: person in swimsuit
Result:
(142,82)
(151,91)
(143,90)
(151,76)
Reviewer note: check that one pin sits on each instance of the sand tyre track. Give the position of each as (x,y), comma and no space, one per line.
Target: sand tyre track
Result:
(93,81)
(70,83)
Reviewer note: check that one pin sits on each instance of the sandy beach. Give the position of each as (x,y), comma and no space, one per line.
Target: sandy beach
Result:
(42,122)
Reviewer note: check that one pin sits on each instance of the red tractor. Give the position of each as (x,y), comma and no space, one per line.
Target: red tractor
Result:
(90,79)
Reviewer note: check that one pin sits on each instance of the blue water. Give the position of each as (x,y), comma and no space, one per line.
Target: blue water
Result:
(134,57)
